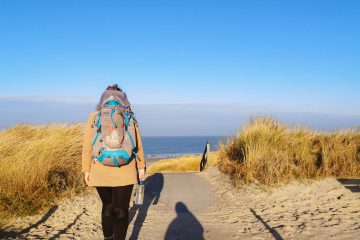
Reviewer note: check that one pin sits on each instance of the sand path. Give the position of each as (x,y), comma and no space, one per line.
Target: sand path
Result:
(206,206)
(176,206)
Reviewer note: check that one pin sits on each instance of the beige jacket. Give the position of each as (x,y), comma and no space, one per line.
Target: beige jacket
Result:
(101,175)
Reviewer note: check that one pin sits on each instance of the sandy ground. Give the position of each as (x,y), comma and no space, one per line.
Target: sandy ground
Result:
(325,209)
(207,206)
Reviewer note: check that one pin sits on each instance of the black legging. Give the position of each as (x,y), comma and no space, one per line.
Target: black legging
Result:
(115,210)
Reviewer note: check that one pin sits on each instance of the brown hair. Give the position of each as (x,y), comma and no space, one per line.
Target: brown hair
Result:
(113,87)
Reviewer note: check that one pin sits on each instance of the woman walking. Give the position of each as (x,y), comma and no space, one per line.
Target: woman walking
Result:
(113,159)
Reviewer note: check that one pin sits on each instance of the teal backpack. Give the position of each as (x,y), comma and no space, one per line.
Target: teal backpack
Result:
(114,134)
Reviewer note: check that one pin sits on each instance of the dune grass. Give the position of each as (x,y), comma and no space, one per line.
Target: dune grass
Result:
(270,152)
(186,163)
(38,164)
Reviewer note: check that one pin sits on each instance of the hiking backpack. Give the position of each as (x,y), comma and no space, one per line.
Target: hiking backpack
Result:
(114,136)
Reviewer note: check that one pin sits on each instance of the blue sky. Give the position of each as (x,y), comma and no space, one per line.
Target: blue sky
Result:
(295,60)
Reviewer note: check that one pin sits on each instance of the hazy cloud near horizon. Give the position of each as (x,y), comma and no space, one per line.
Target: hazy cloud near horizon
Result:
(169,119)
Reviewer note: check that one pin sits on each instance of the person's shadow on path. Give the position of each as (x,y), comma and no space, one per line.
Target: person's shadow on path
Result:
(153,187)
(184,226)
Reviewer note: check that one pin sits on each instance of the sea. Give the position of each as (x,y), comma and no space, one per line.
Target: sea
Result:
(169,147)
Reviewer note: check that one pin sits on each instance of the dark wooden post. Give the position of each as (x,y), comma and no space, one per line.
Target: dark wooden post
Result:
(205,157)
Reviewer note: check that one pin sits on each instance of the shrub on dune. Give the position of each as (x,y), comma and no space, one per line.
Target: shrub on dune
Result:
(38,165)
(269,152)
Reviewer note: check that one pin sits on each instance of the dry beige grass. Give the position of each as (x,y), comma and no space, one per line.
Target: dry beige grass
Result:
(38,165)
(182,164)
(269,152)
(41,164)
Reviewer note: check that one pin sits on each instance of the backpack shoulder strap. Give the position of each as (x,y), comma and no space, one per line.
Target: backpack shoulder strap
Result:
(97,119)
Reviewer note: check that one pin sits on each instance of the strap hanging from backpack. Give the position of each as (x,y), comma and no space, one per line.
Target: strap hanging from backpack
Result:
(97,124)
(133,116)
(96,138)
(116,164)
(112,117)
(127,120)
(136,155)
(131,139)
